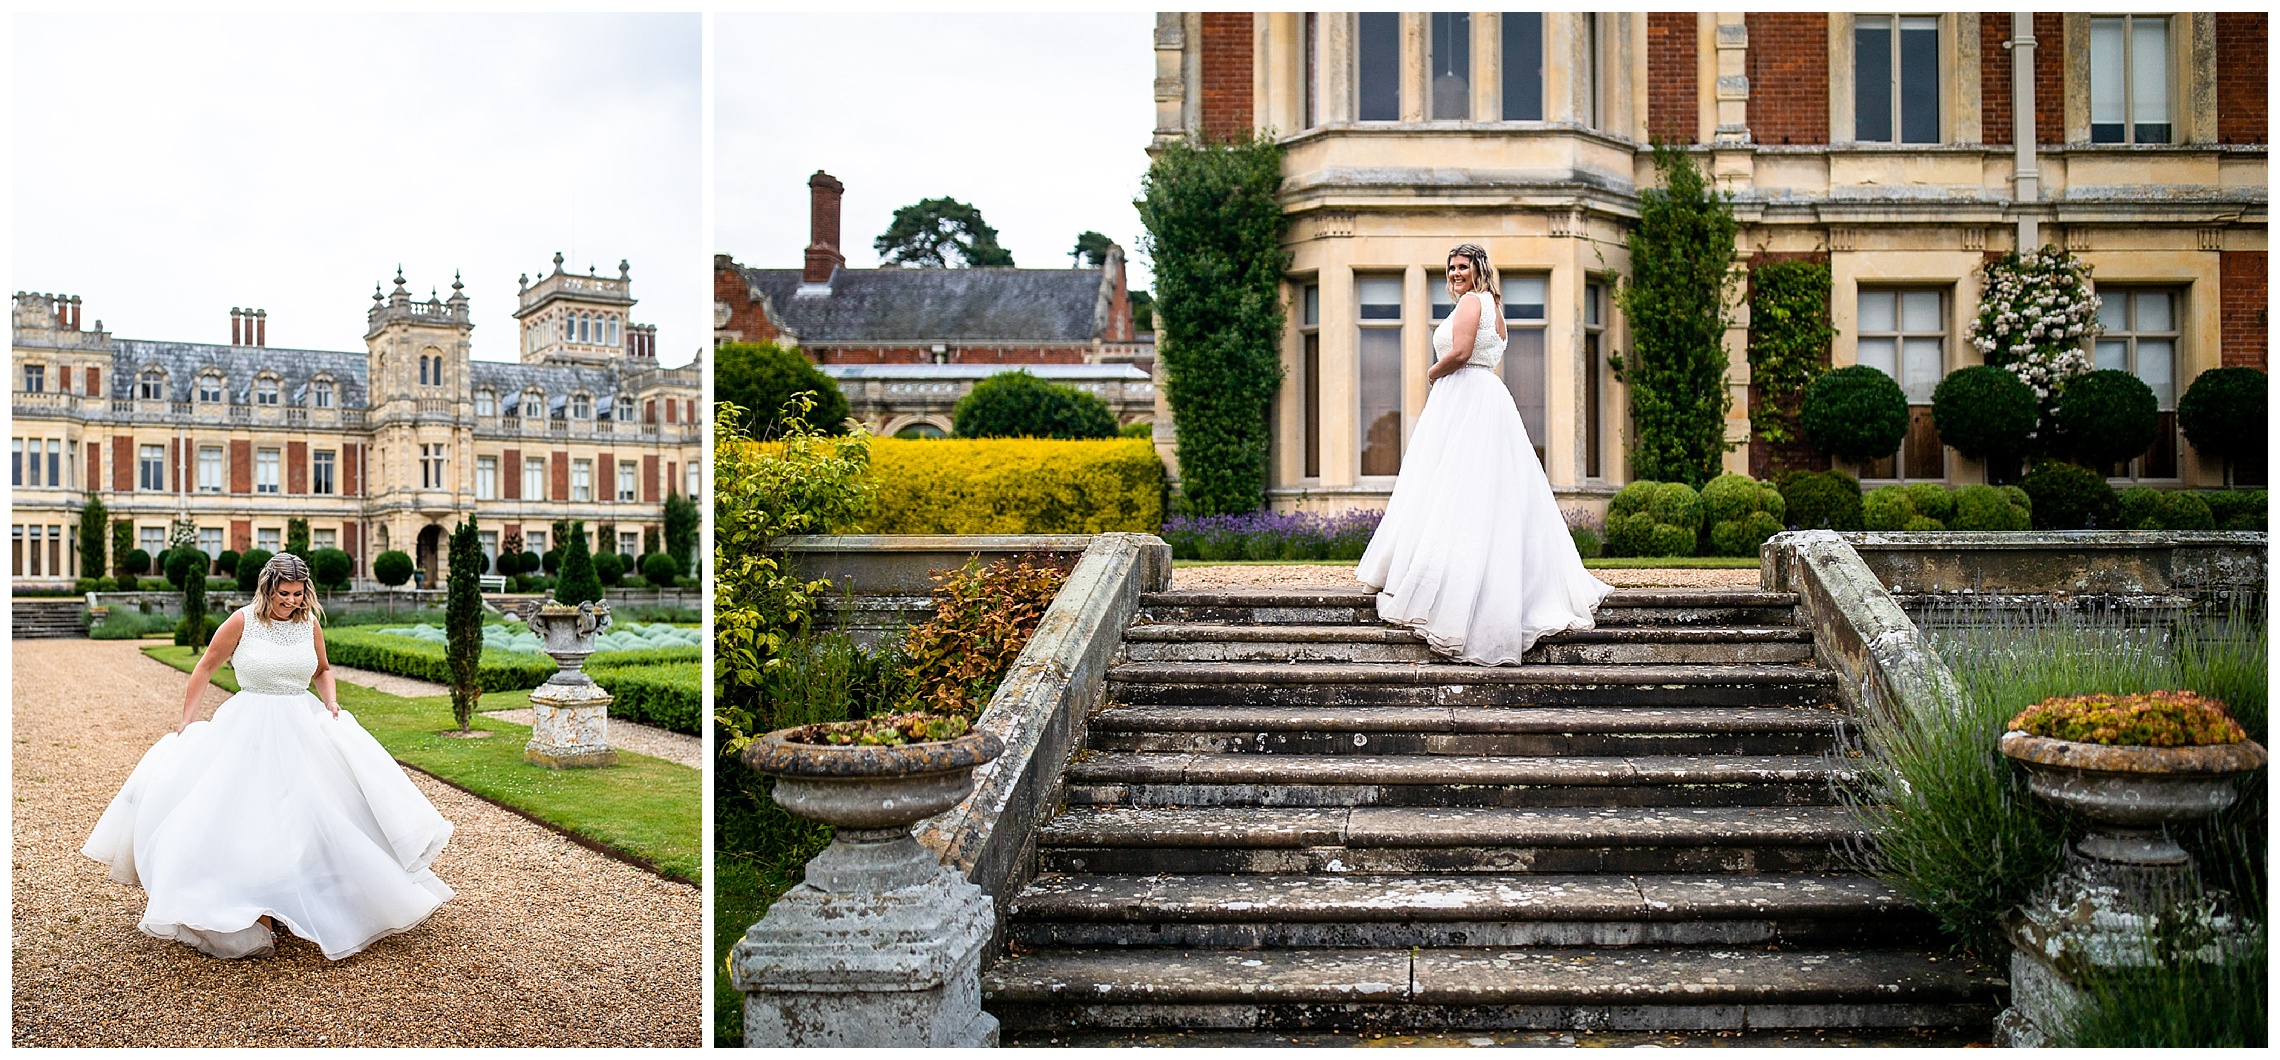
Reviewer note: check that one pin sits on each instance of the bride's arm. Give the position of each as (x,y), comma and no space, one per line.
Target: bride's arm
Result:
(1461,333)
(218,651)
(327,690)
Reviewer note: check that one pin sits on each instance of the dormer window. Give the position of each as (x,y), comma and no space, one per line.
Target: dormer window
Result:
(486,403)
(151,386)
(323,392)
(624,409)
(534,402)
(265,390)
(210,387)
(581,407)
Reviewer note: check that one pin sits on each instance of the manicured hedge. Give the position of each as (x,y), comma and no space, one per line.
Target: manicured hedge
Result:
(1014,486)
(667,695)
(500,671)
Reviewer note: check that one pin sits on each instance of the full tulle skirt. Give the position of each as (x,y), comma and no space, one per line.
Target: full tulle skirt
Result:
(1473,552)
(274,808)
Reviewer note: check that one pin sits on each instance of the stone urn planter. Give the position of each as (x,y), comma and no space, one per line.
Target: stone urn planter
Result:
(881,946)
(2124,875)
(571,714)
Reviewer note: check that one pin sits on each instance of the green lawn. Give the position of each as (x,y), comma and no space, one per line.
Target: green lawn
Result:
(646,808)
(1623,563)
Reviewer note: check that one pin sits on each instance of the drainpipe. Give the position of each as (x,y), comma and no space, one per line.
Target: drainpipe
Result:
(2026,180)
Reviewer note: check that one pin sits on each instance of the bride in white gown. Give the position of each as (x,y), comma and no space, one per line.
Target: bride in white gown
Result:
(282,810)
(1473,552)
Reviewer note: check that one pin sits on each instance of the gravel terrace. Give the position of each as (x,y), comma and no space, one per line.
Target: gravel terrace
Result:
(547,943)
(1342,577)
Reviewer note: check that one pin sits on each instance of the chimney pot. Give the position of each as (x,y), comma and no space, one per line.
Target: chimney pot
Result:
(823,256)
(237,338)
(261,327)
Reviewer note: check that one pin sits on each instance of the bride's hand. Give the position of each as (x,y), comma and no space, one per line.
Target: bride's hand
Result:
(334,707)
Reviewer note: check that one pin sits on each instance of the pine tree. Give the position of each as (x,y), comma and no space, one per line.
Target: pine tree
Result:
(463,622)
(579,583)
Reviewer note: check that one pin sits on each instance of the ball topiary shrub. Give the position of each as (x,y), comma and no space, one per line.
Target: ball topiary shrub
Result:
(1931,500)
(182,563)
(2107,416)
(1671,540)
(1741,513)
(2222,413)
(609,567)
(226,563)
(1676,504)
(1886,508)
(1984,411)
(1019,405)
(1855,413)
(1986,508)
(392,568)
(249,566)
(1821,500)
(762,377)
(659,568)
(2144,508)
(331,567)
(2070,497)
(1650,518)
(2236,509)
(136,561)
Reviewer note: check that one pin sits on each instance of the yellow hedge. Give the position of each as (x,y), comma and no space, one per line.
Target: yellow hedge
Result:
(1014,486)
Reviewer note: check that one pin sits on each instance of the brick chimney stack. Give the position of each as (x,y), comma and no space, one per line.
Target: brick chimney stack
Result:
(823,254)
(237,318)
(261,327)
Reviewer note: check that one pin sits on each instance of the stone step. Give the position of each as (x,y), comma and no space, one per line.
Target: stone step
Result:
(1357,643)
(1429,840)
(1381,730)
(1282,912)
(1623,607)
(49,619)
(1128,779)
(1455,684)
(1487,988)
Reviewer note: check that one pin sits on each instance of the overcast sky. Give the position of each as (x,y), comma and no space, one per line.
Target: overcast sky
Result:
(169,167)
(1040,120)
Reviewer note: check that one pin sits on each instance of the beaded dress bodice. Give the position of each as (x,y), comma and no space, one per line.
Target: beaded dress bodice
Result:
(1488,346)
(275,657)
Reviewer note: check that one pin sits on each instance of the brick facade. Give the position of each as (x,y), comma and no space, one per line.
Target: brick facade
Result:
(510,474)
(1673,96)
(296,467)
(241,535)
(2241,281)
(1789,77)
(351,472)
(241,466)
(747,315)
(605,477)
(94,463)
(561,468)
(1226,87)
(2242,89)
(649,494)
(122,463)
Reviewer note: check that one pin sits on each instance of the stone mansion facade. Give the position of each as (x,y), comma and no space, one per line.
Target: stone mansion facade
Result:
(1903,150)
(378,450)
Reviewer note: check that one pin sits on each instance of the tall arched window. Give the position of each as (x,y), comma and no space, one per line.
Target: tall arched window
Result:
(585,327)
(613,331)
(324,393)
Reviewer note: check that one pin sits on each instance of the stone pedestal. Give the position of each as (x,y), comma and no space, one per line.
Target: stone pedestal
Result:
(881,947)
(571,727)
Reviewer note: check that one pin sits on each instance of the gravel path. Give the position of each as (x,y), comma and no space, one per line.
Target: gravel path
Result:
(547,943)
(631,736)
(1342,577)
(393,684)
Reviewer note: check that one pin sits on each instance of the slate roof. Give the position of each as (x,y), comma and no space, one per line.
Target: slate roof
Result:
(183,361)
(937,305)
(559,381)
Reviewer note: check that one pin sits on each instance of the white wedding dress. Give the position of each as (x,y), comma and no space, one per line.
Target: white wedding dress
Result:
(1473,552)
(276,808)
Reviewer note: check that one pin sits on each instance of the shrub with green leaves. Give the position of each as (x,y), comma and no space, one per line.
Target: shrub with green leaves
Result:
(1886,508)
(1989,508)
(1648,518)
(2237,509)
(1677,303)
(2143,508)
(331,567)
(2108,416)
(134,562)
(1741,513)
(1985,412)
(2070,497)
(392,568)
(1789,343)
(1017,404)
(1855,413)
(2223,414)
(1821,500)
(760,379)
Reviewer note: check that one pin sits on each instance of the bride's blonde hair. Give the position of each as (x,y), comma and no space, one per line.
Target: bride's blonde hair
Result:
(286,567)
(1484,274)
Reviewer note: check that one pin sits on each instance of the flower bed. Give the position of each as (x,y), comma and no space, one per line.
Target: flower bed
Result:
(1272,535)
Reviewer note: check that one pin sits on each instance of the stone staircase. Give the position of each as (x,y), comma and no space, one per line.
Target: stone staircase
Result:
(1292,818)
(34,618)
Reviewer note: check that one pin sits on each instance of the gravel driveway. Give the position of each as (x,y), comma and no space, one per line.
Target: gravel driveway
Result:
(547,943)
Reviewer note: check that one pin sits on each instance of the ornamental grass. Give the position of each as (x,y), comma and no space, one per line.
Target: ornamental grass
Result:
(2146,719)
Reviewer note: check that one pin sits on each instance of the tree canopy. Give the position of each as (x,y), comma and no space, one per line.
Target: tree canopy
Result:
(1091,250)
(929,233)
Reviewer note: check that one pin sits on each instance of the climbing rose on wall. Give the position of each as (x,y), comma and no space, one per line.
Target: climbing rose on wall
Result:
(2035,310)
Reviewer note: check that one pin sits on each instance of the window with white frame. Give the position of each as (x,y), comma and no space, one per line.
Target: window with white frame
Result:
(486,402)
(1896,79)
(152,538)
(581,480)
(210,541)
(1594,358)
(151,385)
(1379,347)
(16,461)
(1450,56)
(1523,62)
(35,378)
(1903,333)
(486,478)
(431,467)
(265,390)
(2141,333)
(534,478)
(151,468)
(581,406)
(265,470)
(627,471)
(488,541)
(327,538)
(210,469)
(694,477)
(323,392)
(629,542)
(321,471)
(2129,79)
(1524,318)
(1377,66)
(534,541)
(268,539)
(624,409)
(55,461)
(210,387)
